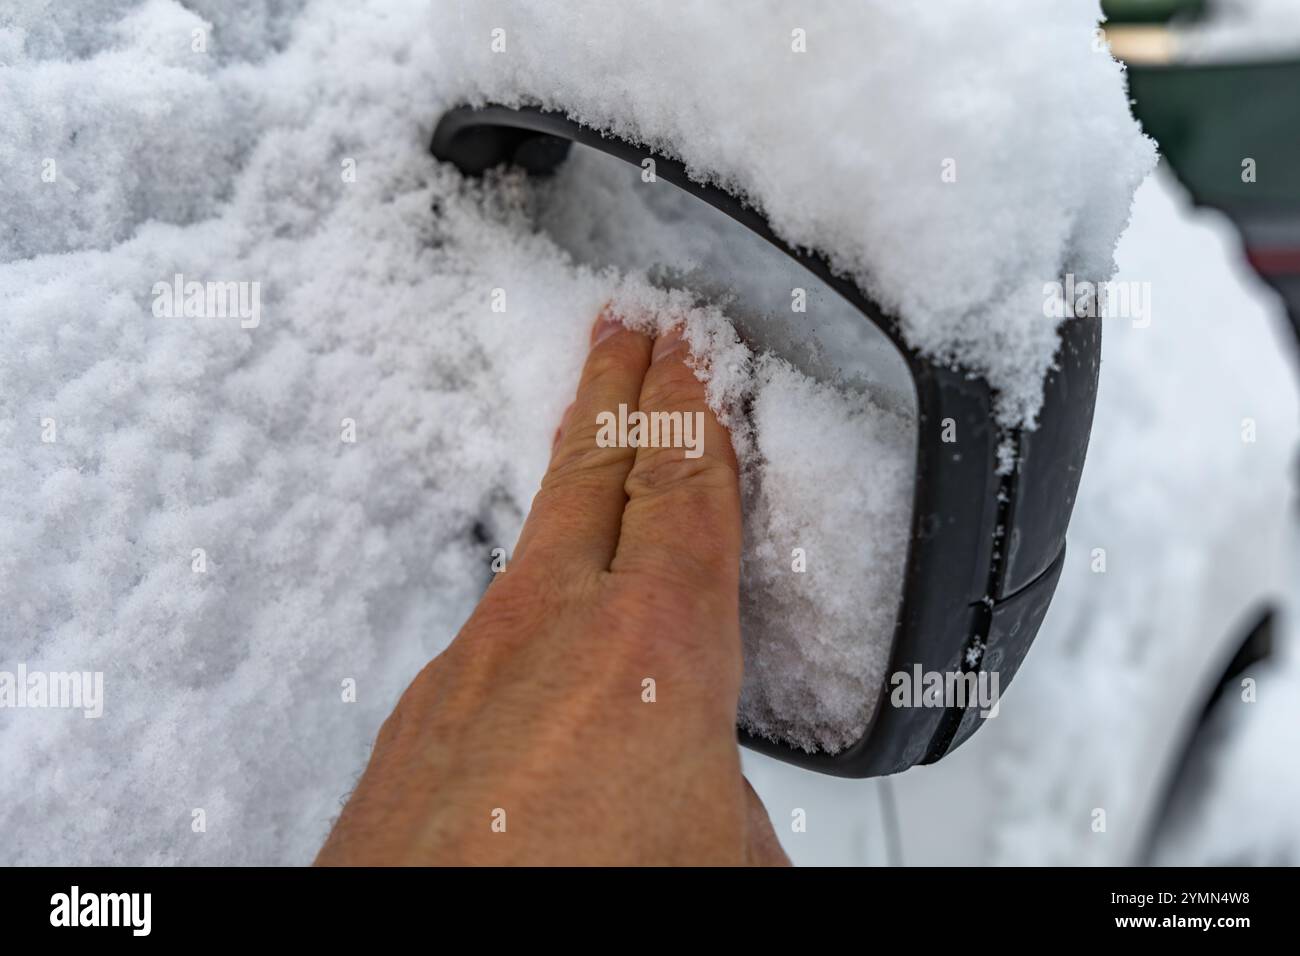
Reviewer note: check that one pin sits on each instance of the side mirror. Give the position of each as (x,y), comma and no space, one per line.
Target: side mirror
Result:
(986,545)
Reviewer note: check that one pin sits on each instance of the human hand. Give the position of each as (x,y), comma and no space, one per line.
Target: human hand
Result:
(535,738)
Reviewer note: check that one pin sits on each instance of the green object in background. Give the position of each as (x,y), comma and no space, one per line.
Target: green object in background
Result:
(1230,129)
(1151,11)
(1210,118)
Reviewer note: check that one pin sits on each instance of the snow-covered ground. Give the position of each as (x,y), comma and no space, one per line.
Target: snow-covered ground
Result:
(241,522)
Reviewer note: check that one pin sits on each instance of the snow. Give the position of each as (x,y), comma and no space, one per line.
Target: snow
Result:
(817,647)
(1170,487)
(1196,525)
(816,652)
(844,146)
(202,530)
(185,511)
(829,405)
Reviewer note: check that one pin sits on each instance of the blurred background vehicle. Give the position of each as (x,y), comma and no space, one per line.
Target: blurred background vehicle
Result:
(1218,86)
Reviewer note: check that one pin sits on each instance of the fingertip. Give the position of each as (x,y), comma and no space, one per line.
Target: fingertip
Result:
(668,343)
(606,325)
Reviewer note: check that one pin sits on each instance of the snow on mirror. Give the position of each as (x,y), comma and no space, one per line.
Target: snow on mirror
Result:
(828,475)
(600,209)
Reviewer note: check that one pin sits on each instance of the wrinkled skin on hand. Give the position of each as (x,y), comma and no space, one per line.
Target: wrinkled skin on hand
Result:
(531,740)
